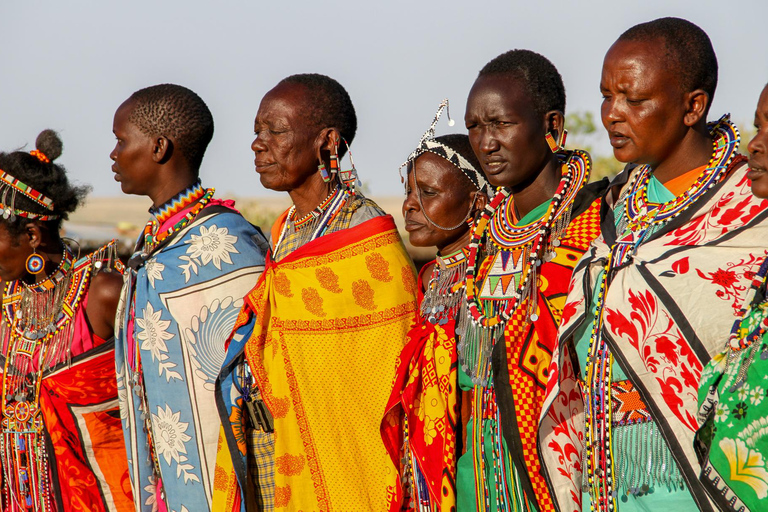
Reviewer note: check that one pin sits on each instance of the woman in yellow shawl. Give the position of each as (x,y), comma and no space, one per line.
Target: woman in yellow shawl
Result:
(309,363)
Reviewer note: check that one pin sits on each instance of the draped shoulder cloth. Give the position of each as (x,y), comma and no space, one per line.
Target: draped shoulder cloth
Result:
(666,313)
(321,332)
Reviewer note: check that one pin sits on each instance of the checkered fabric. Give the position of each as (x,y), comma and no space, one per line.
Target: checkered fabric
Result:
(261,467)
(357,210)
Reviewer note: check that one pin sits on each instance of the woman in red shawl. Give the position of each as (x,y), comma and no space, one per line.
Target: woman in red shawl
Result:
(445,189)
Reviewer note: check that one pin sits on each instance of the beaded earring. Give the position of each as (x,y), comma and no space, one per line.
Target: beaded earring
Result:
(334,158)
(323,172)
(35,263)
(558,145)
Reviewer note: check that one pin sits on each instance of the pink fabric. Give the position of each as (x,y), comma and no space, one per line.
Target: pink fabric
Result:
(161,506)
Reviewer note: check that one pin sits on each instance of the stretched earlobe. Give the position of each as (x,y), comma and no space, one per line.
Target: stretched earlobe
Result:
(556,132)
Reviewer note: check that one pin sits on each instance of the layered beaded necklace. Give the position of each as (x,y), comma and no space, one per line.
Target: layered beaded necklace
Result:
(742,336)
(517,253)
(641,219)
(152,236)
(444,294)
(36,333)
(315,223)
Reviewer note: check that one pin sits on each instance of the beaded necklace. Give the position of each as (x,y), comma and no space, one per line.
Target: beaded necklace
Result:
(178,202)
(316,222)
(172,207)
(36,333)
(316,213)
(742,337)
(518,251)
(444,293)
(641,219)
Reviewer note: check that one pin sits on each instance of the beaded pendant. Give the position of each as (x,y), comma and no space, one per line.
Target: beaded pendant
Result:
(517,252)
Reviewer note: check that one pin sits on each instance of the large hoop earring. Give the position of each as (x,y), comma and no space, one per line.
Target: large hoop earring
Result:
(424,211)
(35,263)
(349,178)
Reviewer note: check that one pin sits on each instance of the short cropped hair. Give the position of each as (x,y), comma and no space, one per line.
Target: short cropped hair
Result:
(540,77)
(175,112)
(331,106)
(688,49)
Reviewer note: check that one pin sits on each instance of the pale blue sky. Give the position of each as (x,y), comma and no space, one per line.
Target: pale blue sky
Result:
(67,65)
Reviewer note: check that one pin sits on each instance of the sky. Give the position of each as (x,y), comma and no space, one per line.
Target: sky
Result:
(69,65)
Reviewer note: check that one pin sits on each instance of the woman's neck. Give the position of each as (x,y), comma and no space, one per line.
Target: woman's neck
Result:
(310,194)
(541,189)
(694,151)
(456,245)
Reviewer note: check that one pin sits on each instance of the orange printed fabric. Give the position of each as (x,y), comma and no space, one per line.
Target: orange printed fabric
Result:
(424,397)
(331,319)
(82,417)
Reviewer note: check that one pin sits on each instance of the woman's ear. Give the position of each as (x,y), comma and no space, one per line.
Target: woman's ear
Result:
(31,235)
(479,202)
(697,103)
(555,123)
(327,140)
(162,149)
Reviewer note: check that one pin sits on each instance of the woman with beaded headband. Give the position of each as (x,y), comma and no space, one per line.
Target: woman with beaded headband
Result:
(61,445)
(681,238)
(522,251)
(732,392)
(445,190)
(308,367)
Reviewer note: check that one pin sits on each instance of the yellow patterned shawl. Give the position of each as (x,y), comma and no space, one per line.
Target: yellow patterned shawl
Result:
(331,319)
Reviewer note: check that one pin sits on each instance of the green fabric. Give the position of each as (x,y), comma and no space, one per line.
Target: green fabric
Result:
(736,429)
(534,214)
(662,498)
(465,468)
(465,471)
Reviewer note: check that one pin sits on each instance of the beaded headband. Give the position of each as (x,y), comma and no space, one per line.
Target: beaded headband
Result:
(10,186)
(429,144)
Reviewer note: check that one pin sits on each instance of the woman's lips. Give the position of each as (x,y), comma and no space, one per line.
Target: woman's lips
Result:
(262,165)
(494,167)
(618,140)
(412,226)
(755,172)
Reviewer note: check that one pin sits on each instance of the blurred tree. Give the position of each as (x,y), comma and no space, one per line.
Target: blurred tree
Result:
(582,134)
(747,131)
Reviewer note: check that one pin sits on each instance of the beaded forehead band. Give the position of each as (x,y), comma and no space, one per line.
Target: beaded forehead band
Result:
(10,186)
(429,144)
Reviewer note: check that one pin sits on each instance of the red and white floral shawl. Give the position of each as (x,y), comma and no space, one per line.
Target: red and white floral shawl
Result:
(666,314)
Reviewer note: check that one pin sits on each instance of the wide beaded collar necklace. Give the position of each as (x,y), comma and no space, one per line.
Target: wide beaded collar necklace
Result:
(518,252)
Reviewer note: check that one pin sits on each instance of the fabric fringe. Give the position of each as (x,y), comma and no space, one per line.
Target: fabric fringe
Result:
(643,461)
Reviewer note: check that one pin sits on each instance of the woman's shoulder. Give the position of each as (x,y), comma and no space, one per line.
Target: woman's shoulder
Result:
(106,272)
(363,209)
